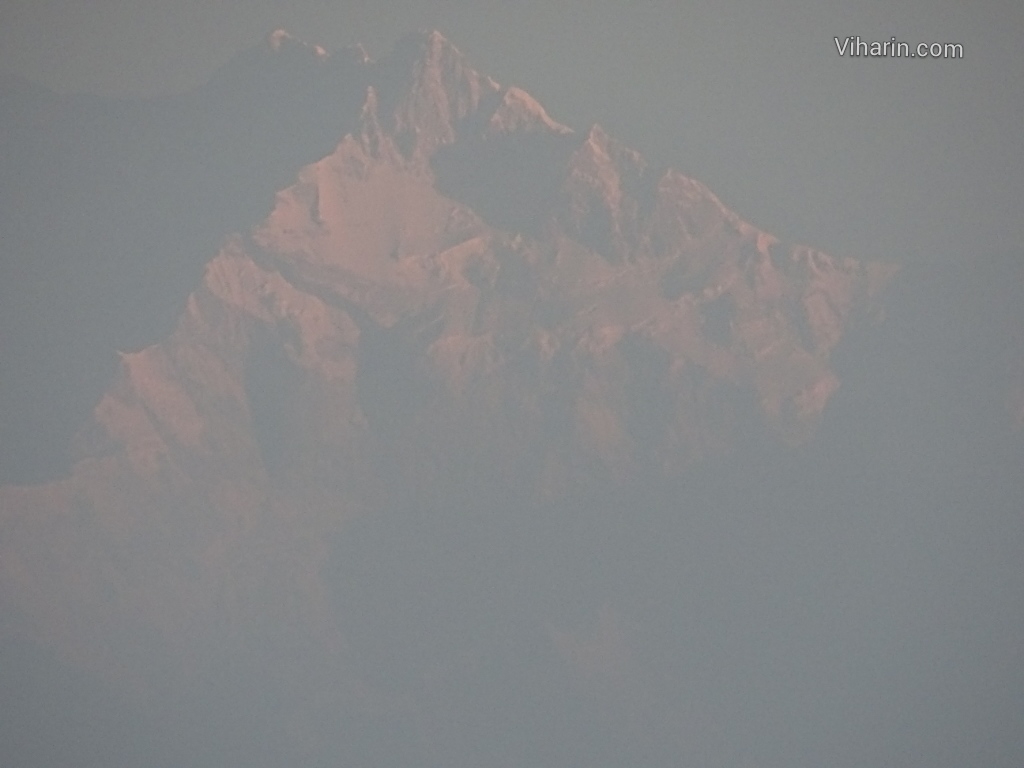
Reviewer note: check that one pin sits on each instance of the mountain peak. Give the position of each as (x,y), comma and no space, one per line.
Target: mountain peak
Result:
(278,38)
(519,111)
(429,89)
(429,40)
(464,304)
(282,39)
(355,53)
(429,57)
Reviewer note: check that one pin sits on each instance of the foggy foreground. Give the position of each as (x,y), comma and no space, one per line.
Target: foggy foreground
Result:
(855,602)
(852,604)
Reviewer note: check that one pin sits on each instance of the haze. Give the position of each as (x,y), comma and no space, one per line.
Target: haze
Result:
(843,588)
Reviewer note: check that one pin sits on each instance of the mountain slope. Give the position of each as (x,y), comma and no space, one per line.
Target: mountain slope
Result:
(111,208)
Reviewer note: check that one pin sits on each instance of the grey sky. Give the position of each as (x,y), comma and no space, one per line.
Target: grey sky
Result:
(887,158)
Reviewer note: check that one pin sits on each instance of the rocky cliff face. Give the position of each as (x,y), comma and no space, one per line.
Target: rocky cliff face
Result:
(464,298)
